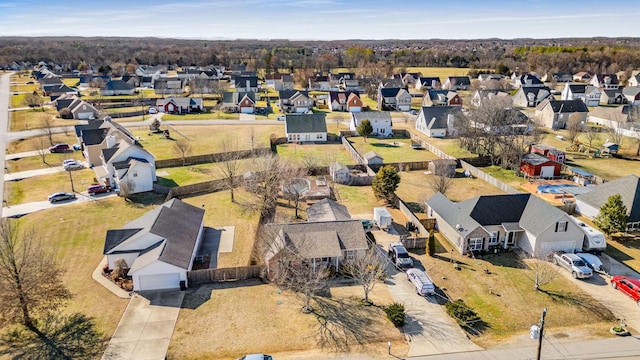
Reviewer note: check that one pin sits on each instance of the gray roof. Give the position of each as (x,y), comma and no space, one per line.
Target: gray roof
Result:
(371,115)
(287,94)
(371,154)
(535,159)
(116,237)
(436,116)
(93,136)
(565,106)
(118,85)
(327,210)
(390,91)
(108,153)
(460,80)
(94,124)
(305,123)
(631,90)
(629,189)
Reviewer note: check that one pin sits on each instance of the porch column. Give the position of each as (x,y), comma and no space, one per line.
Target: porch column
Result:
(506,240)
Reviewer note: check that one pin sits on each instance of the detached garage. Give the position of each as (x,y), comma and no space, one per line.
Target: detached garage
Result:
(158,247)
(534,165)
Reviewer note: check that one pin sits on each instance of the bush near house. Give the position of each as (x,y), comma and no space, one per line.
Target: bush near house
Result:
(395,314)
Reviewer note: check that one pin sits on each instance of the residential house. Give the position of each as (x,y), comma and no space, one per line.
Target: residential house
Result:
(117,87)
(159,248)
(457,83)
(78,109)
(193,73)
(116,157)
(490,222)
(320,83)
(534,165)
(373,158)
(204,86)
(428,83)
(168,86)
(279,81)
(612,96)
(345,101)
(506,121)
(54,91)
(481,96)
(380,122)
(490,77)
(245,82)
(562,77)
(305,128)
(153,71)
(132,80)
(348,82)
(410,78)
(146,81)
(231,101)
(583,76)
(321,243)
(391,83)
(527,96)
(437,121)
(632,94)
(43,82)
(179,105)
(295,101)
(634,80)
(441,98)
(555,114)
(327,210)
(628,187)
(589,94)
(394,99)
(443,167)
(527,80)
(605,81)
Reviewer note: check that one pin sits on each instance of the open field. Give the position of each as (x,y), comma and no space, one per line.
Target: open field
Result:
(318,154)
(230,314)
(39,187)
(32,119)
(29,145)
(391,150)
(76,235)
(122,110)
(206,139)
(441,72)
(415,187)
(505,298)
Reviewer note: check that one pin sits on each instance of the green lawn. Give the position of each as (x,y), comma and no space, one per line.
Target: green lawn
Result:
(25,87)
(32,189)
(203,116)
(186,175)
(401,152)
(317,154)
(17,100)
(507,176)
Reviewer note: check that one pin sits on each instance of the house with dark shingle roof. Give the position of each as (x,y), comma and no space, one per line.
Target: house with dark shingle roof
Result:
(437,121)
(305,128)
(632,94)
(528,80)
(159,247)
(588,204)
(490,222)
(428,83)
(527,96)
(441,98)
(457,83)
(612,96)
(589,94)
(117,87)
(555,114)
(394,99)
(605,81)
(295,101)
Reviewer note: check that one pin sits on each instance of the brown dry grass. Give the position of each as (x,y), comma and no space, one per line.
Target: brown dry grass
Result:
(251,317)
(415,186)
(32,119)
(39,187)
(29,145)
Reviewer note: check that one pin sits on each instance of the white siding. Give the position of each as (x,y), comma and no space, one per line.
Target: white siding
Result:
(129,258)
(586,209)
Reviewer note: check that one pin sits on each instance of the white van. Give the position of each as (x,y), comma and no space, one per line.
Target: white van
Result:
(422,282)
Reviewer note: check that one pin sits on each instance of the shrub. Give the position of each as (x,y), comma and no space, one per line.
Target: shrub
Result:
(395,314)
(66,114)
(459,311)
(432,243)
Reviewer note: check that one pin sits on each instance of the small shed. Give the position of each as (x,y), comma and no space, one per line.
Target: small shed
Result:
(443,167)
(609,147)
(382,217)
(582,177)
(534,165)
(339,173)
(373,158)
(542,149)
(557,155)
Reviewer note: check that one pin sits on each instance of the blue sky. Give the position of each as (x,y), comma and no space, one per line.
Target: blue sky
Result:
(321,19)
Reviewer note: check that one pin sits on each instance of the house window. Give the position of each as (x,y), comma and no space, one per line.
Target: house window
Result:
(350,254)
(319,136)
(382,131)
(475,244)
(561,226)
(494,236)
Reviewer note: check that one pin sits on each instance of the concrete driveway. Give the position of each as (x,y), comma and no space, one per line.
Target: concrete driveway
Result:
(146,326)
(599,287)
(30,207)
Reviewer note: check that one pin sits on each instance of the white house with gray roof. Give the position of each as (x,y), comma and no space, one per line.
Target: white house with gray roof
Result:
(489,223)
(159,247)
(305,128)
(628,187)
(437,121)
(380,122)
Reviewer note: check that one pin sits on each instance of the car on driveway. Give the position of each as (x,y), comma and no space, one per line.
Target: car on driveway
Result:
(256,357)
(98,189)
(153,110)
(400,256)
(60,196)
(629,286)
(592,261)
(71,164)
(573,264)
(59,148)
(281,118)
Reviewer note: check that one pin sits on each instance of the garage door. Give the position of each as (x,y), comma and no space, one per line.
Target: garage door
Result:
(547,171)
(355,109)
(246,110)
(566,246)
(160,281)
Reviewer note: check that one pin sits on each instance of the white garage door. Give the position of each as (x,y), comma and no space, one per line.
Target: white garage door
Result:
(355,109)
(247,110)
(566,246)
(547,171)
(160,281)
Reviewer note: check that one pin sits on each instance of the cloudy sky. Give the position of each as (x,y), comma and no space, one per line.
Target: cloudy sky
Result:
(321,19)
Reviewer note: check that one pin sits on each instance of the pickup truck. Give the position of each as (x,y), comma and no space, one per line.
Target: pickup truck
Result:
(574,264)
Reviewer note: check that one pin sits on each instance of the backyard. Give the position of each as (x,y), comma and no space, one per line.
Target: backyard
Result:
(191,174)
(391,150)
(415,187)
(316,154)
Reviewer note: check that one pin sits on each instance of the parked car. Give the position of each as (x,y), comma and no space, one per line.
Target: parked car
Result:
(627,285)
(423,283)
(60,196)
(153,110)
(592,261)
(98,189)
(256,357)
(60,148)
(71,164)
(400,255)
(281,118)
(574,264)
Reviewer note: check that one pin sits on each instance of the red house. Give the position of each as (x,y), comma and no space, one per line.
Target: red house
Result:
(534,165)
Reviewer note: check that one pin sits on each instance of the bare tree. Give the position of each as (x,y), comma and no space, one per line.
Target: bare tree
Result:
(40,144)
(229,165)
(46,121)
(541,272)
(574,126)
(126,189)
(182,149)
(590,135)
(33,100)
(615,129)
(365,270)
(441,183)
(31,287)
(265,182)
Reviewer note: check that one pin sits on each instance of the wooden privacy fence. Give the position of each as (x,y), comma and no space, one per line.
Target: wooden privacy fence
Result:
(415,243)
(207,276)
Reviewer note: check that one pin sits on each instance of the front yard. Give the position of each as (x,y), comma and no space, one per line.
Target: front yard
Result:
(33,119)
(39,187)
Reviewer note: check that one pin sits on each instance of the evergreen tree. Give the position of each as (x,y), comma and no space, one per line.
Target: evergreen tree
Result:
(612,217)
(386,182)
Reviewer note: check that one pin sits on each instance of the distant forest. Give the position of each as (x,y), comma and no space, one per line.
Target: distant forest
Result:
(601,55)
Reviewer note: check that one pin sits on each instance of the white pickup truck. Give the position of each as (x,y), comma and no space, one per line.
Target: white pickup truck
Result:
(574,264)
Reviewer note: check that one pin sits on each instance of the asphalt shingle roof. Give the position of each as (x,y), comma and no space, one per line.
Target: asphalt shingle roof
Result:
(327,210)
(305,123)
(629,189)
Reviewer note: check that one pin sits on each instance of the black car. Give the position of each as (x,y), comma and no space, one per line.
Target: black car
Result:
(60,196)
